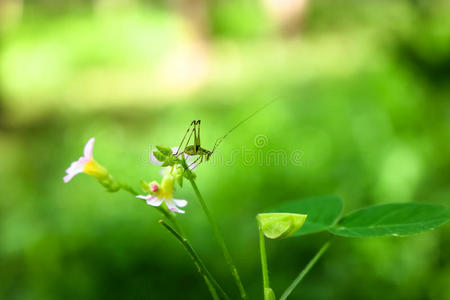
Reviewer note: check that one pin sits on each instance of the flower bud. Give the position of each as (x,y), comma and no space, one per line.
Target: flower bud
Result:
(167,183)
(269,294)
(154,186)
(280,225)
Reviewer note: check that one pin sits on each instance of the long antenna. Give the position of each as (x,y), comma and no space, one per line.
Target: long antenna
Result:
(219,140)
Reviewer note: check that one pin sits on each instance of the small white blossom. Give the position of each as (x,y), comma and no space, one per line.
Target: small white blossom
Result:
(86,164)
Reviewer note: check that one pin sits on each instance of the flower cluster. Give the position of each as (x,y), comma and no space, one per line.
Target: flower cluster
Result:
(173,171)
(163,193)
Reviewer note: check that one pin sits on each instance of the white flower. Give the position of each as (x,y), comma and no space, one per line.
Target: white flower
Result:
(86,164)
(164,193)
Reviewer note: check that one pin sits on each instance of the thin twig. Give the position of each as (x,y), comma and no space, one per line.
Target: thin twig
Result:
(221,241)
(305,271)
(213,285)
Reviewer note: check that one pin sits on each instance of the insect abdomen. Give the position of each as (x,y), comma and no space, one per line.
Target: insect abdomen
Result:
(190,150)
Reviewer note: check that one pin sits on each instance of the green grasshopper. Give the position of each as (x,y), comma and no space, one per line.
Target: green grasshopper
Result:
(196,148)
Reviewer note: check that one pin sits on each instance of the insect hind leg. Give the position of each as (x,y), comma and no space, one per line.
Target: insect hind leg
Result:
(194,165)
(197,136)
(190,129)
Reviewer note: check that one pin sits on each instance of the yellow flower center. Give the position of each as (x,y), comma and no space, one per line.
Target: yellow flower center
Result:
(93,168)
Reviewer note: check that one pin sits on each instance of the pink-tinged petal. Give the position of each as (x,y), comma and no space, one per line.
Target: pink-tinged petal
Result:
(88,149)
(68,177)
(154,201)
(171,205)
(144,197)
(180,202)
(75,168)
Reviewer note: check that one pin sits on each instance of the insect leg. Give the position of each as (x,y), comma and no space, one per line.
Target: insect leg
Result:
(184,137)
(197,137)
(193,163)
(194,131)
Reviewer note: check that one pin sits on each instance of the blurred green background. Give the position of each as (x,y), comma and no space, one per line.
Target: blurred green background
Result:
(363,97)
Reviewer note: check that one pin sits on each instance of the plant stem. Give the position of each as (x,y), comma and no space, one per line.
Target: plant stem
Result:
(220,240)
(209,279)
(305,271)
(128,188)
(262,249)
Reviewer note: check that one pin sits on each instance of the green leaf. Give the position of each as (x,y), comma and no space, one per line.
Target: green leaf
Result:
(159,156)
(164,150)
(322,212)
(396,219)
(280,225)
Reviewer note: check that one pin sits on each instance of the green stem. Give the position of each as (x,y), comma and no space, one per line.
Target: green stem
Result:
(262,249)
(221,241)
(209,279)
(128,188)
(305,271)
(268,292)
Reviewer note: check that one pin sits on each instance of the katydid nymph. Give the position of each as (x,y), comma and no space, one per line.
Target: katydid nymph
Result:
(196,148)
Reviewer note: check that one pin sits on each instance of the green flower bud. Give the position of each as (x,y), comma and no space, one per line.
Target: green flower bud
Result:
(269,294)
(280,225)
(178,170)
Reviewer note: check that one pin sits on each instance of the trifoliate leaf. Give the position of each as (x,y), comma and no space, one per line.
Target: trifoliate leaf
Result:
(280,225)
(397,219)
(323,212)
